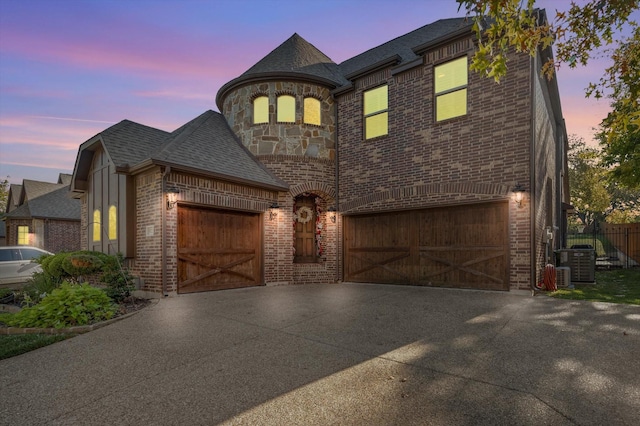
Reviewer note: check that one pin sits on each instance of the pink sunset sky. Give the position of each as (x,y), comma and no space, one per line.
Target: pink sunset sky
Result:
(71,68)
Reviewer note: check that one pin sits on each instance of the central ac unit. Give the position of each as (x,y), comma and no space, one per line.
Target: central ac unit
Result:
(582,263)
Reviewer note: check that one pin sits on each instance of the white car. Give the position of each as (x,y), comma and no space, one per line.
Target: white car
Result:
(16,266)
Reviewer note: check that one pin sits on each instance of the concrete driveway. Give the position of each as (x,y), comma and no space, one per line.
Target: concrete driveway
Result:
(339,354)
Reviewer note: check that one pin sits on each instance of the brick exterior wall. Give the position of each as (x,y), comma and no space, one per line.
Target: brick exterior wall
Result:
(304,175)
(545,177)
(194,191)
(48,234)
(422,163)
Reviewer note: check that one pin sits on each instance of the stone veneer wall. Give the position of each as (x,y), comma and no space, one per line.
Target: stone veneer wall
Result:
(275,138)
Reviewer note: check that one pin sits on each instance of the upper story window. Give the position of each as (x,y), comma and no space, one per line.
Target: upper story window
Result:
(451,89)
(376,112)
(312,111)
(96,226)
(286,109)
(113,223)
(23,235)
(261,110)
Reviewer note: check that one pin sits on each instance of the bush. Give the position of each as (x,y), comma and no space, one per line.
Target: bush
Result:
(77,264)
(118,280)
(52,265)
(67,306)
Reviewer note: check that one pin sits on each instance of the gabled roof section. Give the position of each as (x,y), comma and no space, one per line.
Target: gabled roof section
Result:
(64,178)
(13,200)
(32,189)
(296,59)
(128,143)
(404,46)
(207,144)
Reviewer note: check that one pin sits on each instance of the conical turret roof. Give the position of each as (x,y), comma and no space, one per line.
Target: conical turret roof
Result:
(295,59)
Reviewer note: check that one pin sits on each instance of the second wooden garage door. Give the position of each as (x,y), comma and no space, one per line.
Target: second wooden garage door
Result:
(218,249)
(462,246)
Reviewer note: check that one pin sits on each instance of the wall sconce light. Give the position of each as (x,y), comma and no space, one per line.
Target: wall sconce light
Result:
(172,197)
(332,214)
(273,210)
(518,194)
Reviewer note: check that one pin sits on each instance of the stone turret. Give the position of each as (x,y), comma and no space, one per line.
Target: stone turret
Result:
(296,69)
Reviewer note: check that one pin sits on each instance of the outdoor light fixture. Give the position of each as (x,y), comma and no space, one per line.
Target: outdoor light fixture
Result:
(172,197)
(518,194)
(332,214)
(273,213)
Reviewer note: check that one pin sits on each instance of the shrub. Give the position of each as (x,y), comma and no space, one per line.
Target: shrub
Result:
(77,264)
(52,265)
(67,306)
(118,280)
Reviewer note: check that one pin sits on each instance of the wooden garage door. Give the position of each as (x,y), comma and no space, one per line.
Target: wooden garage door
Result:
(462,246)
(218,249)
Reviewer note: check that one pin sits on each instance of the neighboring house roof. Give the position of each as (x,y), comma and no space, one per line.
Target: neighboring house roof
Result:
(205,145)
(32,189)
(65,178)
(13,200)
(402,49)
(295,59)
(20,212)
(55,203)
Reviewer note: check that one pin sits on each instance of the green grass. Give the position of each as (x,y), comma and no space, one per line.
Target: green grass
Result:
(616,286)
(16,344)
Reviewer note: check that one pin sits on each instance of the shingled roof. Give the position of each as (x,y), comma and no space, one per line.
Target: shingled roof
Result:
(295,59)
(204,145)
(46,200)
(128,143)
(403,48)
(207,144)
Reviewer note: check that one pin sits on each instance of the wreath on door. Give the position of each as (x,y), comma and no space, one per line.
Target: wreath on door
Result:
(303,214)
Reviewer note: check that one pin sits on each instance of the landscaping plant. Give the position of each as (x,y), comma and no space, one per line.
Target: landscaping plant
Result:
(67,306)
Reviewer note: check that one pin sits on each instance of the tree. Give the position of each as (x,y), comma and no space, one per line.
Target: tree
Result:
(4,195)
(588,182)
(594,195)
(579,34)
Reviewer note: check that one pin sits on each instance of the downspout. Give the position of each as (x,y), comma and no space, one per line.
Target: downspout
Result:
(532,174)
(163,216)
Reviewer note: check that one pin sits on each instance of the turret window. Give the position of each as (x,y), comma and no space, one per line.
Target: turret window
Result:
(261,110)
(286,109)
(312,111)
